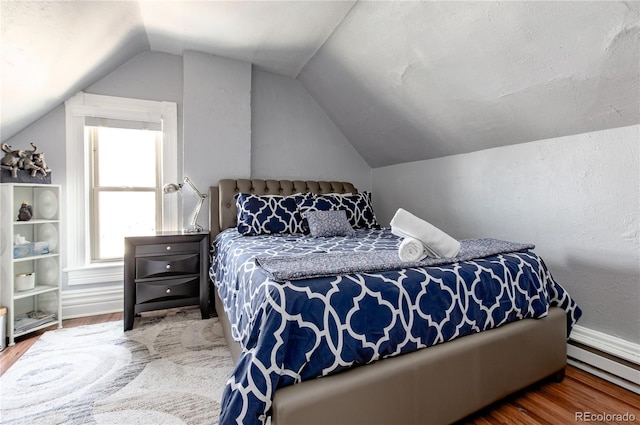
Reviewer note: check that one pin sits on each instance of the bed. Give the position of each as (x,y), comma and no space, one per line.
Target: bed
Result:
(435,370)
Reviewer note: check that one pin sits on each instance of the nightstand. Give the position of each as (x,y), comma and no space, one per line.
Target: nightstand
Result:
(166,270)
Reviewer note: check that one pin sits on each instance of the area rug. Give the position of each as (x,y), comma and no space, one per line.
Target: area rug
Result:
(169,369)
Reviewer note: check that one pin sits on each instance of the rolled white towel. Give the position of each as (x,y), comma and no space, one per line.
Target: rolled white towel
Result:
(436,242)
(411,249)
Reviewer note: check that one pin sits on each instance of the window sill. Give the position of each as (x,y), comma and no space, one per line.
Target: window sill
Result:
(95,273)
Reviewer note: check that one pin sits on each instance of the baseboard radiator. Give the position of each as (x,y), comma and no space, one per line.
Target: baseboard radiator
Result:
(608,357)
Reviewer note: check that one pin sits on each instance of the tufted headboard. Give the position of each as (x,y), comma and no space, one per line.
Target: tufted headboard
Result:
(222,205)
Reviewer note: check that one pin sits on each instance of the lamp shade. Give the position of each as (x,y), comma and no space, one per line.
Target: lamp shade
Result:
(171,187)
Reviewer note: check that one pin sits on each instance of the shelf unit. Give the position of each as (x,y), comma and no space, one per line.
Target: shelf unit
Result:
(44,226)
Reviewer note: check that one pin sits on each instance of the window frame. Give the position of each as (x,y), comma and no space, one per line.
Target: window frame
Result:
(81,270)
(96,188)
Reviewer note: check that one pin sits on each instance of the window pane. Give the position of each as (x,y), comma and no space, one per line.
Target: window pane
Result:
(126,157)
(124,214)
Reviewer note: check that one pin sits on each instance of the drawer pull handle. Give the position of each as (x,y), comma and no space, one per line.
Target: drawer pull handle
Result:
(168,290)
(169,248)
(168,266)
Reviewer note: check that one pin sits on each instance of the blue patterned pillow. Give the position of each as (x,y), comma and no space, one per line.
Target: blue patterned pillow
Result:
(268,214)
(328,223)
(358,208)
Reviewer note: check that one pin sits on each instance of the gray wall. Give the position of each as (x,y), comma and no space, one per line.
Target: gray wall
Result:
(217,123)
(149,76)
(576,198)
(292,137)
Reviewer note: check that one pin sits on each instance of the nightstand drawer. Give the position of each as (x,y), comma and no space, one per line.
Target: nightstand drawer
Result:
(167,265)
(167,289)
(168,248)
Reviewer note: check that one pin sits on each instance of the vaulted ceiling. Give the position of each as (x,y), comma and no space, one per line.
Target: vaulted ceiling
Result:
(402,80)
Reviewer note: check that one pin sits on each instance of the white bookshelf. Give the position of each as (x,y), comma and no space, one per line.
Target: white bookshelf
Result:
(44,226)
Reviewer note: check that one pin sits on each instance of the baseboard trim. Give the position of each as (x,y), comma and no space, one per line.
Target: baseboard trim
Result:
(91,302)
(610,358)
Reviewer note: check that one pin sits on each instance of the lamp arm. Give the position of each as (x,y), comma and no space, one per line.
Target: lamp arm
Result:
(195,189)
(194,222)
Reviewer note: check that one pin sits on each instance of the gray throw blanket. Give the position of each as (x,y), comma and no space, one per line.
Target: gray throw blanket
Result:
(282,268)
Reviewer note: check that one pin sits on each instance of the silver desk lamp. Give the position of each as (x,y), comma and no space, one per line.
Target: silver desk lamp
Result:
(177,187)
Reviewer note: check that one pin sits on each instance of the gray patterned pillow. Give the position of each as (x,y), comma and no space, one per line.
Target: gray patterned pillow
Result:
(328,223)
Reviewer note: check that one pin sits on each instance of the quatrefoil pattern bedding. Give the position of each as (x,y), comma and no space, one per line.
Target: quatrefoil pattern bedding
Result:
(264,214)
(273,214)
(297,330)
(357,207)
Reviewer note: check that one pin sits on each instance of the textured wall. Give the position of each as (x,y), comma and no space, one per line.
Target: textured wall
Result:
(576,197)
(134,79)
(217,122)
(413,80)
(292,137)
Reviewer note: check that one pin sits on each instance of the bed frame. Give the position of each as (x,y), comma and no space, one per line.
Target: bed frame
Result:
(435,385)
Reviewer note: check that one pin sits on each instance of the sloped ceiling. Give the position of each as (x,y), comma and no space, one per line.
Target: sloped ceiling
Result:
(406,81)
(403,80)
(51,50)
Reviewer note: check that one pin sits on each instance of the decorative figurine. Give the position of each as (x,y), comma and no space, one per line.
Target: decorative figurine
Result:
(26,212)
(34,161)
(15,160)
(38,160)
(11,159)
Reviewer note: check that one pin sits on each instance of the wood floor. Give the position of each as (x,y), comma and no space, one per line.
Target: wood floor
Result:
(579,398)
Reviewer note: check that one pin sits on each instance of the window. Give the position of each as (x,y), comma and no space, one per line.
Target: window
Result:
(126,183)
(120,153)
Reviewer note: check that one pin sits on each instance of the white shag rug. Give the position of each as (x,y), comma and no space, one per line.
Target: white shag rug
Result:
(169,369)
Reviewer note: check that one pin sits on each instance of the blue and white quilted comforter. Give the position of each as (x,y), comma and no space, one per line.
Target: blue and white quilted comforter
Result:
(293,330)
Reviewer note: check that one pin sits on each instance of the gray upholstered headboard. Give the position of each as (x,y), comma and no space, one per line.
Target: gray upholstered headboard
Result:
(222,206)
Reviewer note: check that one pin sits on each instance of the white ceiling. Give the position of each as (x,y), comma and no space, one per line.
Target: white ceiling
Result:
(403,80)
(50,50)
(280,37)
